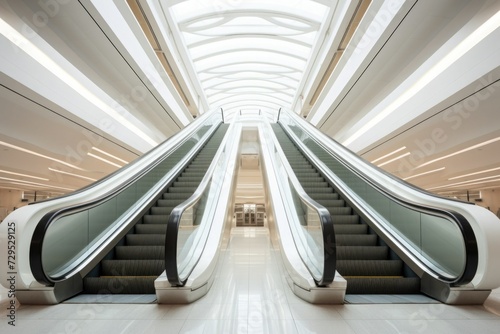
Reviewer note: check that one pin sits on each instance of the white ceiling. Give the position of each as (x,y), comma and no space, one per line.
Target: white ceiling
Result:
(80,34)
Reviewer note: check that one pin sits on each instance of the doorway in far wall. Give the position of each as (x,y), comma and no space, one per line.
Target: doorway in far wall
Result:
(249,214)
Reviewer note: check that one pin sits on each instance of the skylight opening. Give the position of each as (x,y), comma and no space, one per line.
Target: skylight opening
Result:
(251,50)
(205,22)
(265,43)
(249,56)
(293,23)
(250,83)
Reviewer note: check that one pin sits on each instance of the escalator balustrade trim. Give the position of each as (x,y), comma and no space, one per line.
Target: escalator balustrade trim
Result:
(134,264)
(362,259)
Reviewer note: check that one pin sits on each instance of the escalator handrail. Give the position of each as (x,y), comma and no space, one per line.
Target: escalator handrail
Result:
(466,229)
(328,233)
(36,251)
(173,224)
(320,138)
(171,143)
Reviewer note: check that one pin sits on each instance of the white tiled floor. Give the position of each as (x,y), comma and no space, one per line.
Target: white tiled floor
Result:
(251,296)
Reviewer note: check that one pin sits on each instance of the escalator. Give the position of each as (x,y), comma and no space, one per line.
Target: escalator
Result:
(139,258)
(110,237)
(375,232)
(368,265)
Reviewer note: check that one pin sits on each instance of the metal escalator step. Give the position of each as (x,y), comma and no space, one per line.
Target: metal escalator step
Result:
(350,228)
(196,169)
(193,178)
(198,166)
(171,201)
(316,184)
(317,190)
(186,184)
(154,219)
(140,252)
(132,267)
(356,240)
(164,205)
(345,219)
(145,239)
(160,210)
(330,203)
(370,267)
(299,164)
(119,285)
(176,190)
(181,197)
(303,169)
(193,173)
(201,162)
(388,285)
(306,178)
(339,210)
(333,200)
(362,252)
(327,196)
(151,228)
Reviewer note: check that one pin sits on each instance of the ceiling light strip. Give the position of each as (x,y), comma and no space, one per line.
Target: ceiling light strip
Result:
(389,154)
(425,173)
(40,155)
(72,174)
(394,159)
(455,54)
(43,59)
(473,147)
(109,155)
(104,160)
(462,184)
(25,175)
(29,183)
(472,174)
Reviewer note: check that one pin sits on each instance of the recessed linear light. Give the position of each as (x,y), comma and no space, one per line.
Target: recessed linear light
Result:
(425,173)
(104,160)
(492,187)
(455,54)
(461,151)
(40,155)
(31,186)
(394,159)
(461,184)
(458,193)
(29,183)
(476,173)
(389,154)
(109,155)
(25,175)
(12,188)
(72,174)
(481,179)
(38,55)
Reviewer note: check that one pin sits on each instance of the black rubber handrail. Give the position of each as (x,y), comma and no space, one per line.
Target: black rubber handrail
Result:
(327,230)
(173,225)
(466,229)
(36,245)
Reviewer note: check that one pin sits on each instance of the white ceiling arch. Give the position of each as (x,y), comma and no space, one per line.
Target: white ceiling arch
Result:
(248,53)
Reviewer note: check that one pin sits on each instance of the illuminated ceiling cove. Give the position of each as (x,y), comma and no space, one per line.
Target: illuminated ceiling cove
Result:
(249,54)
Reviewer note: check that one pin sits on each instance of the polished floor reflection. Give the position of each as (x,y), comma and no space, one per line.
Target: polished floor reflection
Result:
(250,295)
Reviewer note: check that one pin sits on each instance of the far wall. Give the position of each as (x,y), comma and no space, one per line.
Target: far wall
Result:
(491,199)
(10,200)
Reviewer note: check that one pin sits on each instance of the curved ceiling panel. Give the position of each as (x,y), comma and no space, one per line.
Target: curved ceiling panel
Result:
(251,54)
